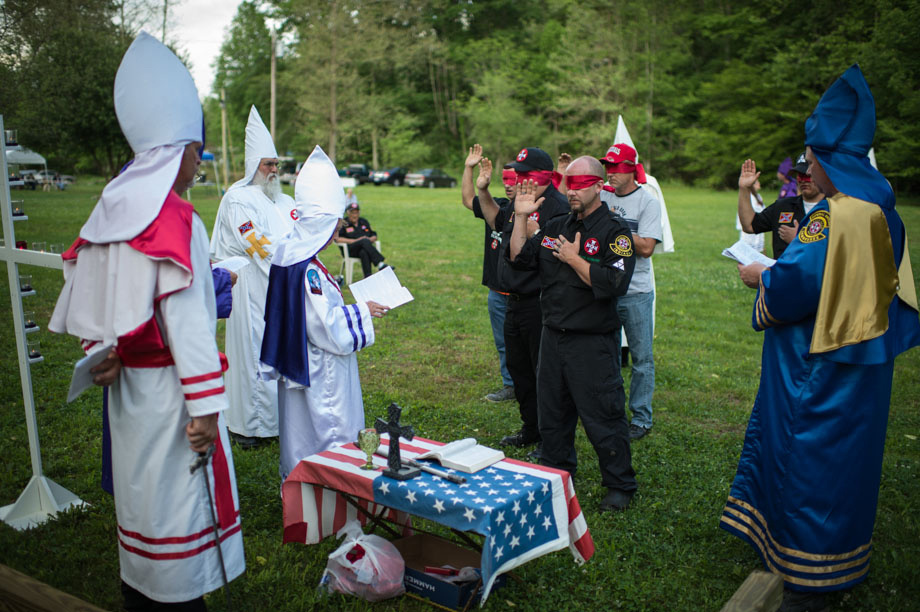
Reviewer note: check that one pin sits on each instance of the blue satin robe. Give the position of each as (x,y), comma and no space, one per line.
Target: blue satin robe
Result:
(806,489)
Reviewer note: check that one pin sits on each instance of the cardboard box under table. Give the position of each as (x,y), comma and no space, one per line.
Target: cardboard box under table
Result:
(522,510)
(423,550)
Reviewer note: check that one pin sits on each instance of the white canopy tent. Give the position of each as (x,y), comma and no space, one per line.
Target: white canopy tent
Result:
(21,156)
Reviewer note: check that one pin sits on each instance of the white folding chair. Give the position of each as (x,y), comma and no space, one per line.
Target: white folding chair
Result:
(348,263)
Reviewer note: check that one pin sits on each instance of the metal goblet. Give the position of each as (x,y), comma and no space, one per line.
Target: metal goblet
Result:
(369,442)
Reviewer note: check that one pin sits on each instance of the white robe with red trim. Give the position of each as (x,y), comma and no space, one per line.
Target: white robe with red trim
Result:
(331,410)
(250,225)
(165,534)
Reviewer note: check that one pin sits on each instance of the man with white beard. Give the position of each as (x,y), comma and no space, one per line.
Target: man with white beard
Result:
(253,216)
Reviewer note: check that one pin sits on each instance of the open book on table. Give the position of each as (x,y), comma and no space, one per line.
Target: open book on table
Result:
(464,455)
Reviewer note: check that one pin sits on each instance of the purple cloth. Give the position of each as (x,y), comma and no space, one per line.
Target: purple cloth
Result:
(789,190)
(785,168)
(223,292)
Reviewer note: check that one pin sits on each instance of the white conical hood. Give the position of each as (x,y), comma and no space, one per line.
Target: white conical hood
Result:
(320,203)
(158,109)
(259,145)
(622,136)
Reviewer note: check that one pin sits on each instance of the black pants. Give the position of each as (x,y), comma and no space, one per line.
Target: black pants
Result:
(135,601)
(579,376)
(365,250)
(523,322)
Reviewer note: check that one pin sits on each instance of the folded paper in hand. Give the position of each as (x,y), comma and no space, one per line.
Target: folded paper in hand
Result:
(464,455)
(82,377)
(234,264)
(744,254)
(383,288)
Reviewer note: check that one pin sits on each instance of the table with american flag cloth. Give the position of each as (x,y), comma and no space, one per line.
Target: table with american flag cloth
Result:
(523,510)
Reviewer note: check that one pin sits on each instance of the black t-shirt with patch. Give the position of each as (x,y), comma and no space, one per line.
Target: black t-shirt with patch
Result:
(492,247)
(785,211)
(523,282)
(568,303)
(361,229)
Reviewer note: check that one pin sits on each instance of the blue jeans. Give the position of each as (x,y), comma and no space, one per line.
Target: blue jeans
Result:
(497,305)
(635,312)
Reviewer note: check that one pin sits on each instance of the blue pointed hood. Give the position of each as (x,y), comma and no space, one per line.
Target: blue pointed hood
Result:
(840,132)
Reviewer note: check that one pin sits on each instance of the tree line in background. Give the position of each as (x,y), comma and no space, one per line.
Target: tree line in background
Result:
(702,84)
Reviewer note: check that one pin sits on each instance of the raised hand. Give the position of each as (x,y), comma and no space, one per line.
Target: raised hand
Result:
(485,173)
(749,174)
(525,201)
(475,156)
(564,160)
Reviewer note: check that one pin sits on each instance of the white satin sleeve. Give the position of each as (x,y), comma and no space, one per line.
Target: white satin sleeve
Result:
(331,325)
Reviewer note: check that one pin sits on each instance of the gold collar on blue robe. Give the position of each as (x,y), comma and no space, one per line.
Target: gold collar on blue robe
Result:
(860,277)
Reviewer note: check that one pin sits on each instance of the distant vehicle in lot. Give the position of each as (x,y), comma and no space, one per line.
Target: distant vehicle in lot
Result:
(431,178)
(359,172)
(28,179)
(52,176)
(288,167)
(390,176)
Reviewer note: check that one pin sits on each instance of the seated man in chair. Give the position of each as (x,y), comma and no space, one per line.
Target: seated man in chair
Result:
(357,236)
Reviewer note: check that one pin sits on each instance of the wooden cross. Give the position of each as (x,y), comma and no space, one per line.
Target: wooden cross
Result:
(395,468)
(257,245)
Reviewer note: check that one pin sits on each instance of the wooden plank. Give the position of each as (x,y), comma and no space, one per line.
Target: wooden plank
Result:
(20,593)
(760,592)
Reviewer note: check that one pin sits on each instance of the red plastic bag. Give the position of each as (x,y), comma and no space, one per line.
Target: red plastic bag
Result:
(367,566)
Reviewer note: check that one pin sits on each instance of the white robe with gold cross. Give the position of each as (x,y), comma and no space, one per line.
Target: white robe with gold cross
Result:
(250,225)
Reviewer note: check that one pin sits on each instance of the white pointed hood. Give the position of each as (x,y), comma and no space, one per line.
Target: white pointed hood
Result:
(667,238)
(158,110)
(259,145)
(320,203)
(623,136)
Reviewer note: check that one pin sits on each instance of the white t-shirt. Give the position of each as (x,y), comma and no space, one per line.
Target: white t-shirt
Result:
(642,212)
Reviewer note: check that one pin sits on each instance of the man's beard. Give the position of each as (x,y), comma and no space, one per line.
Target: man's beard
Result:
(270,185)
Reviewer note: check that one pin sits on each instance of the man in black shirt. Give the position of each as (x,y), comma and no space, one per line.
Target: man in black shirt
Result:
(523,319)
(585,261)
(498,299)
(357,234)
(782,216)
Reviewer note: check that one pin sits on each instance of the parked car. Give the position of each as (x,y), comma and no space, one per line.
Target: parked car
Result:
(431,178)
(288,167)
(390,176)
(28,179)
(359,172)
(52,176)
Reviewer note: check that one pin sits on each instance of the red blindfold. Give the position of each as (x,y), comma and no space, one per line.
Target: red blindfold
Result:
(581,181)
(509,177)
(540,177)
(627,168)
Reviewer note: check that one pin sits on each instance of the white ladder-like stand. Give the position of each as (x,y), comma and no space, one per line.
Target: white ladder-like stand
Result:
(42,498)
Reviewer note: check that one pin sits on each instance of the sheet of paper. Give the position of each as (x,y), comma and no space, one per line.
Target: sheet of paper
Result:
(744,254)
(82,378)
(234,264)
(383,288)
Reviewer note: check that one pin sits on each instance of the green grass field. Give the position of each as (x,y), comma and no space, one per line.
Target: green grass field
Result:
(435,357)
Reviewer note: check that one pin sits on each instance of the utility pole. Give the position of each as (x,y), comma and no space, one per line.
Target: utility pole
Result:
(165,11)
(274,62)
(225,158)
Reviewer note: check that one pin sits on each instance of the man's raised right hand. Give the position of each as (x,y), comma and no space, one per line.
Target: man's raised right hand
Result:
(749,174)
(473,159)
